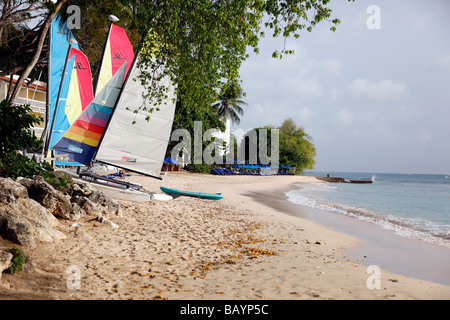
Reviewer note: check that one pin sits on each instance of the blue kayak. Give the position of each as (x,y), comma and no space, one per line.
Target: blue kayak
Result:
(210,196)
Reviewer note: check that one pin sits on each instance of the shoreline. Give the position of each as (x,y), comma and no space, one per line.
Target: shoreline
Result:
(360,249)
(377,246)
(194,249)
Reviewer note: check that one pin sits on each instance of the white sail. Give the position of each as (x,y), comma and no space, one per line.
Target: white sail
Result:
(139,147)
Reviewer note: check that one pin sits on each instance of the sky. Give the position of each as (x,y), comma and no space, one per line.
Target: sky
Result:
(373,99)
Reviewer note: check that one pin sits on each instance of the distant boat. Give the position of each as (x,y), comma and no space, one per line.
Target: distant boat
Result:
(343,180)
(361,181)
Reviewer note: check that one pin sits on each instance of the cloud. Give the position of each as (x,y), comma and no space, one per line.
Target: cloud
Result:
(335,94)
(424,136)
(383,90)
(331,67)
(345,118)
(305,114)
(444,62)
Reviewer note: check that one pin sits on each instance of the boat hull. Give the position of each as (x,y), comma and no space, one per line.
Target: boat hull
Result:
(118,192)
(203,195)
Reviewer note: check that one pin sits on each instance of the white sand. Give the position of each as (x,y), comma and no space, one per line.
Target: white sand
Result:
(192,248)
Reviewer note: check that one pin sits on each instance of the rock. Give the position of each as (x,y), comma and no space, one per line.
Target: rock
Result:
(26,182)
(29,209)
(92,201)
(53,200)
(88,206)
(11,190)
(81,189)
(15,228)
(77,212)
(111,206)
(5,259)
(25,222)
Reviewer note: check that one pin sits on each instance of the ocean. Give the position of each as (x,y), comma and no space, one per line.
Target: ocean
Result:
(410,205)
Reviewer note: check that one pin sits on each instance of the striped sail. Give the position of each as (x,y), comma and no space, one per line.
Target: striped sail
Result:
(76,94)
(81,140)
(81,92)
(118,49)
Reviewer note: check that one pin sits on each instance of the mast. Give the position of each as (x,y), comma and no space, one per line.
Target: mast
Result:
(47,145)
(47,92)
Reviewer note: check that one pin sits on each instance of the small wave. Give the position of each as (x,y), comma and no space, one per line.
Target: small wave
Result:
(415,228)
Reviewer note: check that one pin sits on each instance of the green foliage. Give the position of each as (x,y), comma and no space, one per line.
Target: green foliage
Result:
(15,165)
(15,135)
(228,106)
(201,44)
(59,181)
(15,122)
(18,260)
(296,147)
(199,168)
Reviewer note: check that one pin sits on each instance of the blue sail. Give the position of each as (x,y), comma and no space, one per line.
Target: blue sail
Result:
(60,124)
(59,46)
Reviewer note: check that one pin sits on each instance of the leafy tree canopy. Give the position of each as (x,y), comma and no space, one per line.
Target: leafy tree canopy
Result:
(15,135)
(199,44)
(202,43)
(229,103)
(296,147)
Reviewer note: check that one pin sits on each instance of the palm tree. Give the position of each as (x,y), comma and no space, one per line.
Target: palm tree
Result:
(228,106)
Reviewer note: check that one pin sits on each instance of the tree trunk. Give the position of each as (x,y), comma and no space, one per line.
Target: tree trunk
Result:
(11,83)
(37,52)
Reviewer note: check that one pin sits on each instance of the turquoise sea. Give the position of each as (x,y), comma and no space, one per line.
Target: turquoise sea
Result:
(410,205)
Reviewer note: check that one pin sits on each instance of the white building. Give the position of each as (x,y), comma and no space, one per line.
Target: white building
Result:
(224,136)
(32,93)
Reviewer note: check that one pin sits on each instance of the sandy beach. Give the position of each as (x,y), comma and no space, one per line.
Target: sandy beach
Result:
(195,249)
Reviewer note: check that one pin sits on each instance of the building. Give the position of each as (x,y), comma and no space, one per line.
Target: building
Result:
(224,136)
(33,93)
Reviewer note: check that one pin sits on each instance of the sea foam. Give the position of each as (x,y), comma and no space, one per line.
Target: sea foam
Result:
(411,227)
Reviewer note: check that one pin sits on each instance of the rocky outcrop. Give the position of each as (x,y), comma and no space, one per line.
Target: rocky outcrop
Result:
(55,201)
(10,190)
(25,222)
(5,259)
(30,209)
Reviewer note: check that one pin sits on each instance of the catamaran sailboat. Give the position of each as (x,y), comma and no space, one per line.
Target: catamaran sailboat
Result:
(109,132)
